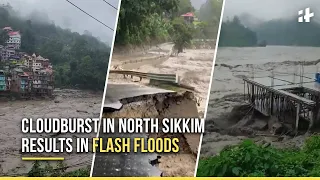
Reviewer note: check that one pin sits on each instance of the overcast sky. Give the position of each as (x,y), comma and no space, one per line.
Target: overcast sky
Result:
(67,16)
(270,9)
(197,3)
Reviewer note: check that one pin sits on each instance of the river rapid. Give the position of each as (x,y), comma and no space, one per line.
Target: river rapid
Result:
(232,64)
(66,104)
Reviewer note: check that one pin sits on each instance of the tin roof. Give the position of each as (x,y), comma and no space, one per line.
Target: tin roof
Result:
(189,14)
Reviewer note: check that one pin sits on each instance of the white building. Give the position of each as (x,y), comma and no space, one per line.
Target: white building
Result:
(14,40)
(36,63)
(6,53)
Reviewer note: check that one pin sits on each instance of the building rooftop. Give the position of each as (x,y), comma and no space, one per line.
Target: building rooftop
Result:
(24,74)
(14,33)
(189,14)
(7,28)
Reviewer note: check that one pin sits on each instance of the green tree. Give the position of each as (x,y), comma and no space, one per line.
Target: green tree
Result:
(233,33)
(184,6)
(144,21)
(28,42)
(252,160)
(3,37)
(183,34)
(210,13)
(65,49)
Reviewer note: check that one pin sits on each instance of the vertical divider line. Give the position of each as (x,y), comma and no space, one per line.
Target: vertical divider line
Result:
(209,89)
(106,82)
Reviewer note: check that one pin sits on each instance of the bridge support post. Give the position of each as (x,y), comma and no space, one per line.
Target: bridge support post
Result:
(271,103)
(311,121)
(252,95)
(297,116)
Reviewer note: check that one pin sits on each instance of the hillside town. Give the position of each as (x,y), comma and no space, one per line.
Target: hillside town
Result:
(21,74)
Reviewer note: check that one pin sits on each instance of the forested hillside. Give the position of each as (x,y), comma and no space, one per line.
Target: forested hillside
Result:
(209,13)
(233,33)
(78,60)
(289,32)
(151,21)
(286,32)
(145,21)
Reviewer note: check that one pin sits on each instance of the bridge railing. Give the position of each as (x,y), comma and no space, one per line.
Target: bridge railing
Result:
(173,78)
(169,78)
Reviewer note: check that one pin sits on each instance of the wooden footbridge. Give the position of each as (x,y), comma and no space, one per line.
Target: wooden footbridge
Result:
(288,100)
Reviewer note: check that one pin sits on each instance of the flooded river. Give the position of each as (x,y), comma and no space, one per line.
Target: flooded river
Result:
(67,103)
(232,64)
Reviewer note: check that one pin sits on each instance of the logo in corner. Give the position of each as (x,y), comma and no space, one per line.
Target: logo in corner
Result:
(305,15)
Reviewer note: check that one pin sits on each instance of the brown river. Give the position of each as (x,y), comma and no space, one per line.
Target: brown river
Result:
(67,103)
(232,64)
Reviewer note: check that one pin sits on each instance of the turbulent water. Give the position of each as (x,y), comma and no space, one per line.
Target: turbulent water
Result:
(67,103)
(232,64)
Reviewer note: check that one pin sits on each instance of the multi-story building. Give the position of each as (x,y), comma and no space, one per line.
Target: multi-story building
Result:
(3,82)
(42,82)
(14,41)
(31,75)
(24,83)
(7,53)
(28,61)
(44,62)
(36,63)
(20,82)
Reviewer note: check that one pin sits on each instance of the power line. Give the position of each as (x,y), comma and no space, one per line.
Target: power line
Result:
(110,5)
(89,15)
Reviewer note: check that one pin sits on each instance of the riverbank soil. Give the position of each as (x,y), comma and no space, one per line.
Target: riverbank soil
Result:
(67,103)
(229,119)
(170,165)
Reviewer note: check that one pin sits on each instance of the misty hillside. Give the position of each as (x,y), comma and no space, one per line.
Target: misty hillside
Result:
(234,34)
(250,21)
(78,60)
(289,32)
(286,32)
(197,3)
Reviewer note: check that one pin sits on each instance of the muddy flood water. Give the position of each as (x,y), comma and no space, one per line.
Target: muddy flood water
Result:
(67,103)
(232,64)
(193,67)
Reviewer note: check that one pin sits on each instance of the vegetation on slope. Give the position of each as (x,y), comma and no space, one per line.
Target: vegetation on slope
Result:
(233,33)
(289,32)
(60,170)
(209,15)
(285,32)
(249,159)
(78,60)
(151,22)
